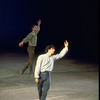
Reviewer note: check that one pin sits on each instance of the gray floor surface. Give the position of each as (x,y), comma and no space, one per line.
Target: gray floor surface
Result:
(70,80)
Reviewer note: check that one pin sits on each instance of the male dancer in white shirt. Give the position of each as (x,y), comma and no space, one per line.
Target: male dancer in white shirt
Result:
(44,66)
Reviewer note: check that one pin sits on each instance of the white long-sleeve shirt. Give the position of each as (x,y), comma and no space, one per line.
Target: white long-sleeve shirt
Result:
(44,63)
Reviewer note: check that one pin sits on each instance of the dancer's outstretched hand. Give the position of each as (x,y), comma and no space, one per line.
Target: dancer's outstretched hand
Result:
(66,43)
(39,21)
(21,44)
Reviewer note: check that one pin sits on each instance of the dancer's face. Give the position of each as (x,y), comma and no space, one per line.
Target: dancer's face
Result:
(52,50)
(34,28)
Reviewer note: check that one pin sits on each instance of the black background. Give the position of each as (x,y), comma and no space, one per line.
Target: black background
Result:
(72,20)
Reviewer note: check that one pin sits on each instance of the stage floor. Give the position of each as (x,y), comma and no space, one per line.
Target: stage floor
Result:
(71,79)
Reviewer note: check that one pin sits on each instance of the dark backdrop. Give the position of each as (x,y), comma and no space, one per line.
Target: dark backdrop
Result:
(74,20)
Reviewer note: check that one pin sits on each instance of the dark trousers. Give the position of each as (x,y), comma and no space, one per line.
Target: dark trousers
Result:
(43,85)
(29,63)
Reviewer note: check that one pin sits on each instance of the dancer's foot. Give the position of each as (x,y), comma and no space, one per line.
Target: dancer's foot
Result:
(21,72)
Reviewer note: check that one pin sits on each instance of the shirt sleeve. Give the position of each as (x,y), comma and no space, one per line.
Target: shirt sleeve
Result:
(27,38)
(61,54)
(38,29)
(38,67)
